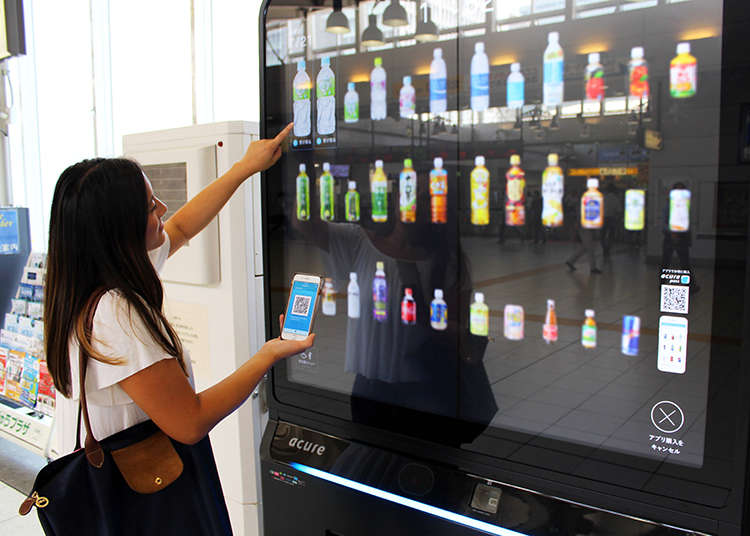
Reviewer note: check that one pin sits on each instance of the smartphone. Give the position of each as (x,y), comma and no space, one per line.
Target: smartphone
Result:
(301,306)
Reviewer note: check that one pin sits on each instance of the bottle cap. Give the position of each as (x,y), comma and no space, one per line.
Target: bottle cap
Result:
(683,48)
(352,185)
(378,163)
(437,53)
(438,163)
(328,282)
(352,276)
(553,37)
(594,58)
(589,312)
(592,183)
(636,53)
(302,168)
(515,160)
(515,67)
(479,297)
(552,159)
(479,47)
(407,291)
(301,65)
(407,80)
(407,162)
(550,303)
(378,61)
(350,86)
(326,166)
(325,61)
(438,294)
(479,161)
(380,266)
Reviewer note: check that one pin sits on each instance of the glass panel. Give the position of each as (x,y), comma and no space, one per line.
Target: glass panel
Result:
(575,249)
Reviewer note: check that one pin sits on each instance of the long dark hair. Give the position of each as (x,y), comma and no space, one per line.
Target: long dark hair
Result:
(97,242)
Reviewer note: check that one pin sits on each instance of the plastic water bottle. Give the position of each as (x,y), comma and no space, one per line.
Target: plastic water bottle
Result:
(378,93)
(303,194)
(407,98)
(326,93)
(515,86)
(351,104)
(380,294)
(438,83)
(301,101)
(439,312)
(352,296)
(553,71)
(480,79)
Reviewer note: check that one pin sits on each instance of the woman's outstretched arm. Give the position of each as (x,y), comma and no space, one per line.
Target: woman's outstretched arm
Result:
(201,209)
(164,393)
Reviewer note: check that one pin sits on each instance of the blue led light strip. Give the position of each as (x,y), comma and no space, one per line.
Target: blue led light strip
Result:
(409,503)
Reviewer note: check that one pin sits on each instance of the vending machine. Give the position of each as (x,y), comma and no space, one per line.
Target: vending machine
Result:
(531,218)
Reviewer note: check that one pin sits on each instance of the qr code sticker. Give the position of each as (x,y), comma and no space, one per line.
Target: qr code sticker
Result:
(301,305)
(674,299)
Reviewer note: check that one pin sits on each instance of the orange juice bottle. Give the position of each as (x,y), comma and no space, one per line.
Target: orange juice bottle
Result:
(549,330)
(439,193)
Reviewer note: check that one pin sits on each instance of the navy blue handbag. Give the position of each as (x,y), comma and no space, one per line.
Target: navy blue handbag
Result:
(135,482)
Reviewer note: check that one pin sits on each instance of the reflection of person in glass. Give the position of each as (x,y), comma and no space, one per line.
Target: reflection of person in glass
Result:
(407,370)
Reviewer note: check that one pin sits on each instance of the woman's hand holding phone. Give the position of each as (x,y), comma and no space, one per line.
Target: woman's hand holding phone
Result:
(279,348)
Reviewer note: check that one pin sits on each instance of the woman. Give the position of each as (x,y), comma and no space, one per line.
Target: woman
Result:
(106,235)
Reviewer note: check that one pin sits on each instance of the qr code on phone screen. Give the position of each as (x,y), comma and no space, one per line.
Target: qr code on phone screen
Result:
(674,299)
(301,305)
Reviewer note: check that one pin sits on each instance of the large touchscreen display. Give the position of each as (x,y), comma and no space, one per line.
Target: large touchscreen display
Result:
(516,216)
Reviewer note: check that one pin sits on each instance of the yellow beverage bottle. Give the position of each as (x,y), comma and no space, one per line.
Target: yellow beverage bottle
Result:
(683,73)
(552,193)
(379,191)
(480,193)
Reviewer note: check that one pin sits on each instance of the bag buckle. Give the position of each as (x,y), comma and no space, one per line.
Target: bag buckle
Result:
(33,500)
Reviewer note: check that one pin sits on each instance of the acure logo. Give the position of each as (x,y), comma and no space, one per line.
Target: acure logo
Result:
(307,446)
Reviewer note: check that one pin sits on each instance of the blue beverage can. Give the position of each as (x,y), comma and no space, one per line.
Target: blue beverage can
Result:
(631,333)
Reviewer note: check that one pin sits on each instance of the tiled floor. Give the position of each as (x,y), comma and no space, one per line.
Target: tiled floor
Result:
(11,523)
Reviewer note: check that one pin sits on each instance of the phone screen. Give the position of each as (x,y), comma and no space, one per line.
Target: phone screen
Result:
(301,306)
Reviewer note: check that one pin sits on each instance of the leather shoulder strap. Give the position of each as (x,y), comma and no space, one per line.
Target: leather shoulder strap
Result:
(94,453)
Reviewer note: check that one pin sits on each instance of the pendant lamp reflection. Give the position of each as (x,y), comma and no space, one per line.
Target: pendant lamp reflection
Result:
(372,36)
(395,15)
(337,23)
(426,29)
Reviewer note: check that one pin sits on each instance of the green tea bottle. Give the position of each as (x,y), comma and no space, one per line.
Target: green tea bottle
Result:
(351,202)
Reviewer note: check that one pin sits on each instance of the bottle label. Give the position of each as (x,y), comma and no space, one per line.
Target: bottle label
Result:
(592,211)
(438,89)
(379,299)
(588,336)
(407,104)
(438,315)
(303,198)
(516,94)
(480,85)
(679,211)
(595,84)
(408,311)
(479,322)
(379,201)
(326,197)
(351,111)
(553,70)
(639,81)
(408,192)
(353,303)
(682,79)
(634,210)
(549,332)
(326,87)
(352,206)
(515,189)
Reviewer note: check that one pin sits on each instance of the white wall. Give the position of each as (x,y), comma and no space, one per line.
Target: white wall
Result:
(96,70)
